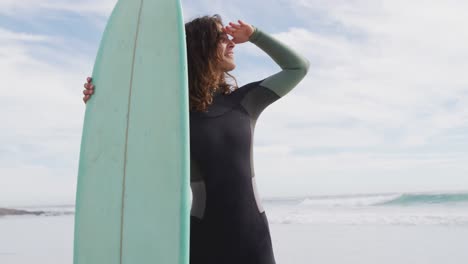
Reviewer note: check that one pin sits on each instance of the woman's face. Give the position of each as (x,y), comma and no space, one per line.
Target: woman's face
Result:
(226,48)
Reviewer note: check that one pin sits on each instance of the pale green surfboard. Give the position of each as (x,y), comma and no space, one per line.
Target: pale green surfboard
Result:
(132,203)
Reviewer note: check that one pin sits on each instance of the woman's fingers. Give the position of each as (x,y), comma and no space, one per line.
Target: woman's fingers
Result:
(242,23)
(89,89)
(230,29)
(88,92)
(89,86)
(236,26)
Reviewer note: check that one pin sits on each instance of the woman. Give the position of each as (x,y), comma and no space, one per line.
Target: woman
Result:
(227,222)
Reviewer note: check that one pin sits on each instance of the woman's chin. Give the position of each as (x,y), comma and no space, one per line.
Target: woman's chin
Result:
(229,67)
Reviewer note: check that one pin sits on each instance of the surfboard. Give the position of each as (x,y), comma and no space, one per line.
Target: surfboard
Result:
(132,198)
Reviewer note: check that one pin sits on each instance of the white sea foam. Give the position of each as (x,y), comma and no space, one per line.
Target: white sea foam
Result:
(376,216)
(349,201)
(381,209)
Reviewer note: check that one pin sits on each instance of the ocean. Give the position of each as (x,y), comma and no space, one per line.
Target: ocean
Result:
(372,209)
(365,228)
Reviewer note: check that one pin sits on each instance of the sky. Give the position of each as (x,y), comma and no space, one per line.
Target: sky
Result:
(384,107)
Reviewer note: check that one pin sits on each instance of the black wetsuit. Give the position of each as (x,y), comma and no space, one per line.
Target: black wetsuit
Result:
(228,224)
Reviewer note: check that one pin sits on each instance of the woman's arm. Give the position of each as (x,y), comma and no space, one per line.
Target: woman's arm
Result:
(258,95)
(294,66)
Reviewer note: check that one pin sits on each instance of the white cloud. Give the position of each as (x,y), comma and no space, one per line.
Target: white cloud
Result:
(400,73)
(41,119)
(13,36)
(14,8)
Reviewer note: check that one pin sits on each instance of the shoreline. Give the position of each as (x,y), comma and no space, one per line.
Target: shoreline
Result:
(6,212)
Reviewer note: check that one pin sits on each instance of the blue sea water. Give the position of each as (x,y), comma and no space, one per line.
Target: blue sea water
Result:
(425,199)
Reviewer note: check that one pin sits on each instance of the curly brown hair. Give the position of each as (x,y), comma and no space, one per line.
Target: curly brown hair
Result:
(203,37)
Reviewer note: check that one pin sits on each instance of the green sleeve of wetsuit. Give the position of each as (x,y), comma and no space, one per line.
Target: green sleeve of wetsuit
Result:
(294,66)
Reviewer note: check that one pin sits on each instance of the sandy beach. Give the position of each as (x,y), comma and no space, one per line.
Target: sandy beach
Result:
(338,244)
(49,239)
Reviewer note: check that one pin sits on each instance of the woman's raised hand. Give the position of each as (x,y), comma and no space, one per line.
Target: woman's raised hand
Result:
(89,89)
(240,32)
